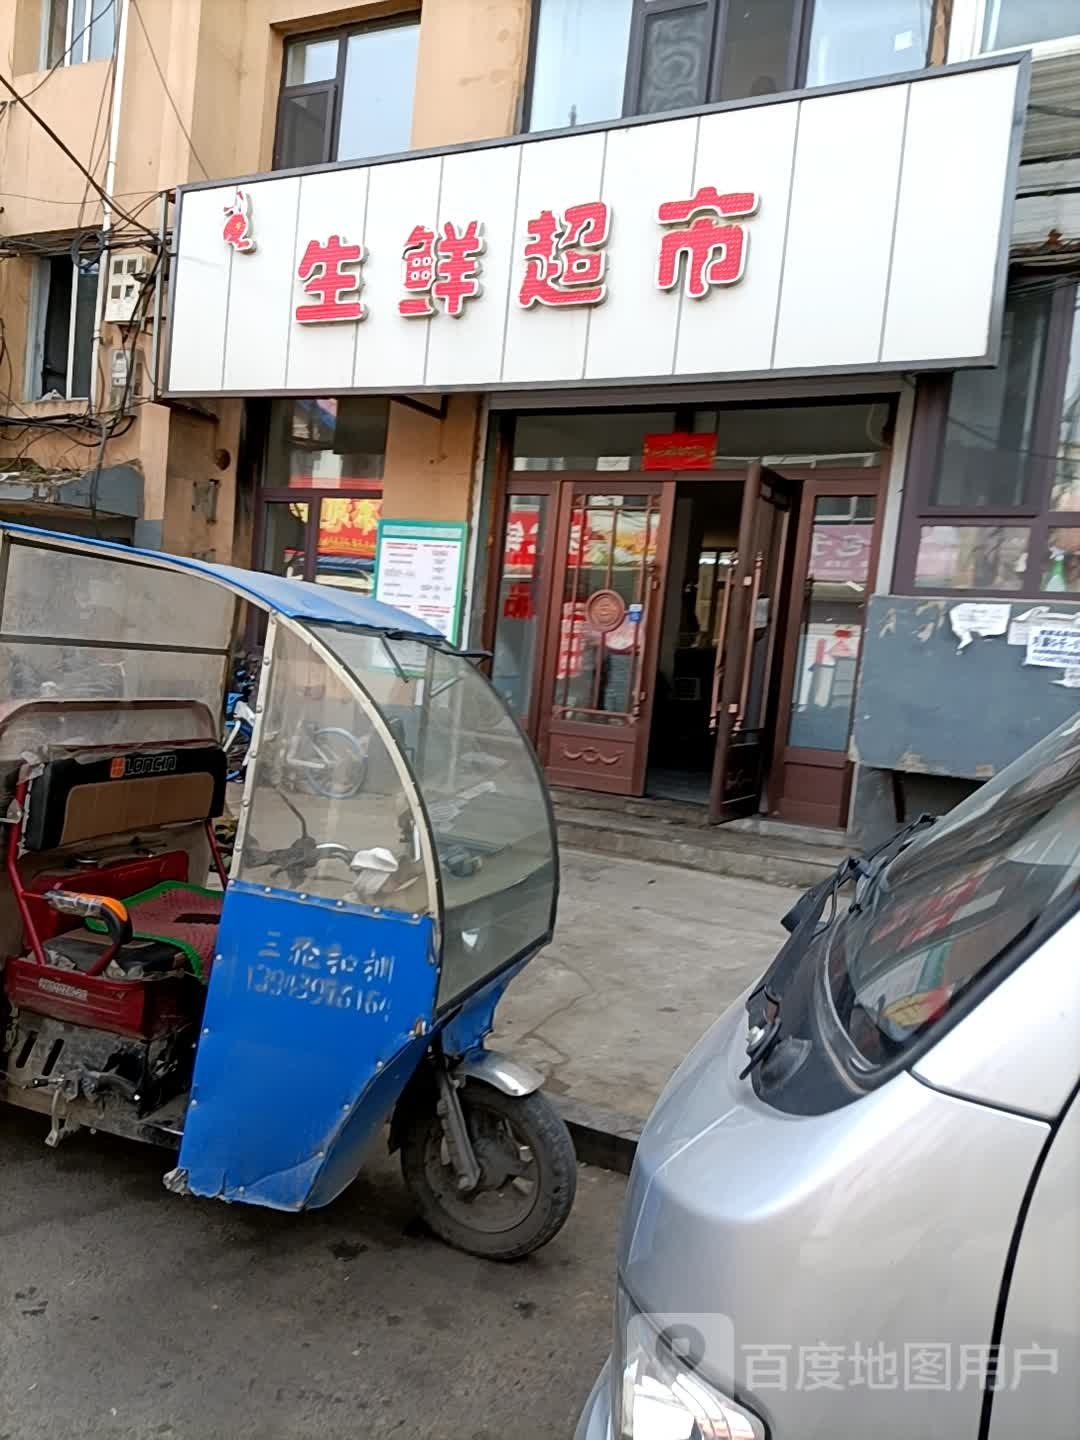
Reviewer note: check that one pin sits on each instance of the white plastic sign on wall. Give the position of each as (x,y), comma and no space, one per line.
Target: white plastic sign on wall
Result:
(855,230)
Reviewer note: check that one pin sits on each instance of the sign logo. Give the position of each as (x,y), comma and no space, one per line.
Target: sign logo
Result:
(238,230)
(123,767)
(605,610)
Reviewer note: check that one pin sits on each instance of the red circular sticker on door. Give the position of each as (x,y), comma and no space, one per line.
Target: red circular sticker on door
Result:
(605,610)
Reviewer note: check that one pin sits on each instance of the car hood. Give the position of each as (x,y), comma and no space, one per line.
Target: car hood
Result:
(872,1224)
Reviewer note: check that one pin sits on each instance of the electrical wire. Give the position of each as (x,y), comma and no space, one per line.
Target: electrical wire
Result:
(108,429)
(165,87)
(65,56)
(109,199)
(95,160)
(50,200)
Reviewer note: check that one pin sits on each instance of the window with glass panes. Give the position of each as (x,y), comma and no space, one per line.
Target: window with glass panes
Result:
(347,94)
(994,473)
(321,496)
(598,59)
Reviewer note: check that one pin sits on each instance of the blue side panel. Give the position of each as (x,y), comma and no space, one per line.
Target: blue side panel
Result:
(465,1031)
(309,1004)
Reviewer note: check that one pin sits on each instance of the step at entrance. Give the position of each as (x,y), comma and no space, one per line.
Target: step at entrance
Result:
(669,833)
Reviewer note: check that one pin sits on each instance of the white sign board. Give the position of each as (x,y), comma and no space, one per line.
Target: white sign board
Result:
(817,233)
(1053,646)
(419,568)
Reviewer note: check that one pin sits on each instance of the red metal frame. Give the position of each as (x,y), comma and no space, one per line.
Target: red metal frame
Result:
(14,835)
(215,855)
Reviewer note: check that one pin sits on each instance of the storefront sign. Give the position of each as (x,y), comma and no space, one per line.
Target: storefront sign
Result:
(522,533)
(678,451)
(349,527)
(420,567)
(807,234)
(572,631)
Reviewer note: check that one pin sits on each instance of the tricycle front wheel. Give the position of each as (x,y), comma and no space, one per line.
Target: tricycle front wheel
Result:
(528,1174)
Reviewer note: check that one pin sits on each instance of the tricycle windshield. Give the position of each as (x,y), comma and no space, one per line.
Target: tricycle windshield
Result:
(84,627)
(329,813)
(489,816)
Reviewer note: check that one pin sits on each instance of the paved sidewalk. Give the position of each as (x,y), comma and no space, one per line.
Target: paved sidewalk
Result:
(645,957)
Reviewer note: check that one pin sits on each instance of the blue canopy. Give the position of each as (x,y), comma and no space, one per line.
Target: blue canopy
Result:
(297,599)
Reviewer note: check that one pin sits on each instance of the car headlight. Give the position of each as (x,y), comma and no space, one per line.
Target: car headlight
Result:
(657,1393)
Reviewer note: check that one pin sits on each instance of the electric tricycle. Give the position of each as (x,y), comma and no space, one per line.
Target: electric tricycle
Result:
(265,1023)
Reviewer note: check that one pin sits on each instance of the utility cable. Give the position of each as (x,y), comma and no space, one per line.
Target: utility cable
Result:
(165,87)
(67,53)
(55,138)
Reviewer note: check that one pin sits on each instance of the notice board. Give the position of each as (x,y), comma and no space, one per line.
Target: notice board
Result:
(960,687)
(420,568)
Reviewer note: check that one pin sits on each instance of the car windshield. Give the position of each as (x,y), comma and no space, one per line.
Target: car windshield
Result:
(958,897)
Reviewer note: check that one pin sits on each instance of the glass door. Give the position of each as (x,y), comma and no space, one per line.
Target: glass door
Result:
(610,555)
(522,600)
(834,570)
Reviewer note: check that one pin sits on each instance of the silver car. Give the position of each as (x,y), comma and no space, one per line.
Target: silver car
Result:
(855,1210)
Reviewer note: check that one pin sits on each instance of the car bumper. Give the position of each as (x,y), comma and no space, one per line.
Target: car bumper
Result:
(595,1421)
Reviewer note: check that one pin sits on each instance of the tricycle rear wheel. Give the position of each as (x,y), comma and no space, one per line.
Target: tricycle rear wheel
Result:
(528,1173)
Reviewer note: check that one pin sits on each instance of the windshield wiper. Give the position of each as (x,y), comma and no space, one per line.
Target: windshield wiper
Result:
(873,866)
(802,923)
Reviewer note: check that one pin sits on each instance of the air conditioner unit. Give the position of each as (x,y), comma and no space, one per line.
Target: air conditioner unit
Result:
(128,270)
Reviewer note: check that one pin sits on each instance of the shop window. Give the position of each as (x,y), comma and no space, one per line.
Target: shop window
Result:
(987,461)
(62,331)
(598,59)
(601,440)
(1028,22)
(77,30)
(327,443)
(348,94)
(995,482)
(847,434)
(850,40)
(322,496)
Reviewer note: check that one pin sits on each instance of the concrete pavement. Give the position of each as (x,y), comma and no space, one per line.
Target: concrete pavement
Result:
(129,1314)
(645,957)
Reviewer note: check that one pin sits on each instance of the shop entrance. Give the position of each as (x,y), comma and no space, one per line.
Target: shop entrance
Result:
(725,610)
(689,635)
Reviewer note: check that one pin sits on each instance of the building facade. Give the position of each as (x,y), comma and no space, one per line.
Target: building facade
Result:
(714,365)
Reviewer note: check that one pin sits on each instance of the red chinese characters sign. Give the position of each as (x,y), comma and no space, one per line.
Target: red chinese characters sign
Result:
(330,272)
(710,250)
(349,527)
(444,268)
(678,450)
(563,259)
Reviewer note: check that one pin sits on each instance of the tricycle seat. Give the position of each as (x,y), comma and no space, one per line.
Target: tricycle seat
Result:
(141,957)
(185,917)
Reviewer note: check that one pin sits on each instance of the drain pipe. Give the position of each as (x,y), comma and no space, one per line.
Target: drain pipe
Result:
(107,184)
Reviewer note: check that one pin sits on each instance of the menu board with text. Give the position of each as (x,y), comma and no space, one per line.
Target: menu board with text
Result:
(420,568)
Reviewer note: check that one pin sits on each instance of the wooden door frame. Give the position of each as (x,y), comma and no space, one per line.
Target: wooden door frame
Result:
(600,482)
(869,480)
(738,625)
